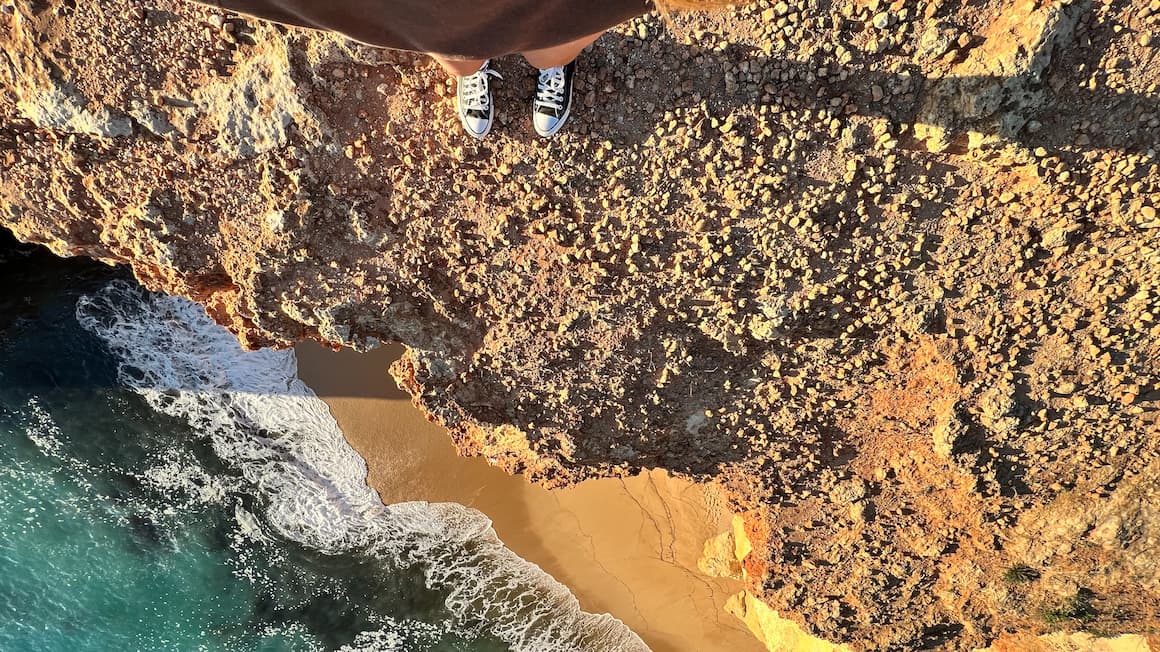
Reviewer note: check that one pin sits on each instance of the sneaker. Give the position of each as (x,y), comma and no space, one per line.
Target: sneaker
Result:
(476,110)
(553,99)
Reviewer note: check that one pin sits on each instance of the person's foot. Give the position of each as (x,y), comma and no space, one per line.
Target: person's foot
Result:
(476,110)
(553,99)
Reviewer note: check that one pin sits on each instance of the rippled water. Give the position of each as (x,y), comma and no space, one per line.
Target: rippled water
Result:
(160,489)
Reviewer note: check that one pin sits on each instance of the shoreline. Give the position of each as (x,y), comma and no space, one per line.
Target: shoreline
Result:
(626,547)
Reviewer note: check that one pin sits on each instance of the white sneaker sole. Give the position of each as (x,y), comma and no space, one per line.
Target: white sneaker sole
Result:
(559,125)
(463,122)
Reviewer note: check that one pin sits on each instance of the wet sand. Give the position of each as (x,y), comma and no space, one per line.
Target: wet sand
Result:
(628,548)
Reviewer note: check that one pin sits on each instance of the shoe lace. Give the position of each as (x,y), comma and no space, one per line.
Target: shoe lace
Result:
(475,89)
(550,89)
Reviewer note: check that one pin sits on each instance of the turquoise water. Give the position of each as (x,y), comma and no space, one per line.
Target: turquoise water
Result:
(160,489)
(121,530)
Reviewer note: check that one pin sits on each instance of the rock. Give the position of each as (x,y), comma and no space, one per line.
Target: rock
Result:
(1148,219)
(999,411)
(1055,236)
(769,290)
(151,119)
(850,491)
(276,221)
(52,103)
(934,42)
(997,87)
(1128,522)
(949,430)
(858,512)
(718,558)
(59,107)
(774,631)
(255,108)
(762,329)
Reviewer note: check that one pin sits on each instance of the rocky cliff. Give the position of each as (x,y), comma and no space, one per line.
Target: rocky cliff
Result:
(888,272)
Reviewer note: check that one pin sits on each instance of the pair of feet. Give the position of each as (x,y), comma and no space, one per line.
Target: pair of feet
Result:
(550,107)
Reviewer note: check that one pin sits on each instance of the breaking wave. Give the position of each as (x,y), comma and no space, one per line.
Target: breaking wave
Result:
(261,419)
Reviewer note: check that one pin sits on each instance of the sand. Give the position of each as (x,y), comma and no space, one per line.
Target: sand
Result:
(628,548)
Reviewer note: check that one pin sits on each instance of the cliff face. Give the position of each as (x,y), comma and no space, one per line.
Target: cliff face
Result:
(889,273)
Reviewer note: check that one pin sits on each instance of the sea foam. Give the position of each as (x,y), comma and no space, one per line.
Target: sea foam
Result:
(260,418)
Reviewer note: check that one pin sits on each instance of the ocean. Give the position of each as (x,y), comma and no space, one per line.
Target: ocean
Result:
(161,489)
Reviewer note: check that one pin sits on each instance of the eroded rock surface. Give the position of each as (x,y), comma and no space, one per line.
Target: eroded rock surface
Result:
(765,252)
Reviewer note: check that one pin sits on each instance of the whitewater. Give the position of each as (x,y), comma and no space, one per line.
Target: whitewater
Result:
(261,420)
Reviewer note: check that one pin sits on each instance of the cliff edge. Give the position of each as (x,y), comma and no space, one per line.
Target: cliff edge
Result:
(888,272)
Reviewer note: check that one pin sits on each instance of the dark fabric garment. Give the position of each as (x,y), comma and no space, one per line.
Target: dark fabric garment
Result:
(477,29)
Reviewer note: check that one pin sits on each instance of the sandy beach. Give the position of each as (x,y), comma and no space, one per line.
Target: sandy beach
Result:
(628,548)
